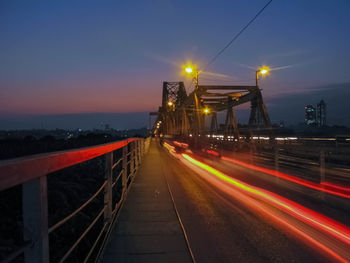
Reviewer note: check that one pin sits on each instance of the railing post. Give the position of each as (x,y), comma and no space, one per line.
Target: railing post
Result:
(35,221)
(276,156)
(136,158)
(143,146)
(138,153)
(125,168)
(140,150)
(108,188)
(132,159)
(322,166)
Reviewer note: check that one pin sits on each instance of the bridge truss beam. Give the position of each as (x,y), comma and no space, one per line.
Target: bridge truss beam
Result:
(184,115)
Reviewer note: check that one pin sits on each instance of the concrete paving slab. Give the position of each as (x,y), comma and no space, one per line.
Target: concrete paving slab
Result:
(156,244)
(148,229)
(171,257)
(145,216)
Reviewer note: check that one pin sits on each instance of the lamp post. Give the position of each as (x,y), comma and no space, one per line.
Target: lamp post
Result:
(264,70)
(193,72)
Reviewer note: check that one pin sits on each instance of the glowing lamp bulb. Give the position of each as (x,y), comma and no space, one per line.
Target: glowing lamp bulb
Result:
(189,70)
(264,70)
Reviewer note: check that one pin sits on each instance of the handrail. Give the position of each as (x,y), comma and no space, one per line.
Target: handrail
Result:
(19,170)
(32,173)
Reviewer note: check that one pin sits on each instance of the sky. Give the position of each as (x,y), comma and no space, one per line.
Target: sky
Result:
(60,58)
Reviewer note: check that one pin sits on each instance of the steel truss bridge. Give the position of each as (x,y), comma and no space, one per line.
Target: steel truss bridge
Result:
(182,115)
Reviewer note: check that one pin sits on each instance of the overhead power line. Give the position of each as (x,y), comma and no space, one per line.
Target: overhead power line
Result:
(237,35)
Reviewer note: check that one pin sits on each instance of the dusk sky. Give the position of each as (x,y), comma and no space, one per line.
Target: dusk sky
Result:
(63,57)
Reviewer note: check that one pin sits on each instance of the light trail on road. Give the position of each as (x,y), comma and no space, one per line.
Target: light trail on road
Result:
(324,223)
(325,187)
(313,227)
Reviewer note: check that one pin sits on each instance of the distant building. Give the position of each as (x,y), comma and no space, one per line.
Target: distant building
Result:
(310,115)
(321,113)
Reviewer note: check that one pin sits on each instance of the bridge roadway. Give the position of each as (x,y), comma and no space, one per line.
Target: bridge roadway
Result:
(173,215)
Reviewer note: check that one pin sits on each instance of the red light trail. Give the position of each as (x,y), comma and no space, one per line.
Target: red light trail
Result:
(328,236)
(212,152)
(322,222)
(181,144)
(326,187)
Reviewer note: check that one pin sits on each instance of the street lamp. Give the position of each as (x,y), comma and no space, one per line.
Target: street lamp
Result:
(188,69)
(206,110)
(192,71)
(171,106)
(264,70)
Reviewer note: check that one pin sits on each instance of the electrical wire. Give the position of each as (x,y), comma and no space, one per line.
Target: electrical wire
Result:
(237,35)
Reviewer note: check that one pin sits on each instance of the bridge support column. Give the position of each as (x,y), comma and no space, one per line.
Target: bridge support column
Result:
(185,127)
(35,222)
(214,123)
(231,122)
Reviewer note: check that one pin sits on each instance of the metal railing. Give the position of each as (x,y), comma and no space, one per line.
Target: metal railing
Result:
(319,162)
(31,172)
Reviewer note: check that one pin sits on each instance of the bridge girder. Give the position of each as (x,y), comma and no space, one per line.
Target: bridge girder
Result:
(186,116)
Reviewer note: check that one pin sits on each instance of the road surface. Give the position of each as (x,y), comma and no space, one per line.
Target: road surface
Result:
(224,226)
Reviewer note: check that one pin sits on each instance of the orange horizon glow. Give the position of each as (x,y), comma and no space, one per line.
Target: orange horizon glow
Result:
(83,96)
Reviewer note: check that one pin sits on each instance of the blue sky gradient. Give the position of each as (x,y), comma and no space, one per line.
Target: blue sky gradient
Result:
(63,57)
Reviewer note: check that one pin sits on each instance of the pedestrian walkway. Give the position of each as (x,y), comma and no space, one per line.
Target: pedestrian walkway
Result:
(148,229)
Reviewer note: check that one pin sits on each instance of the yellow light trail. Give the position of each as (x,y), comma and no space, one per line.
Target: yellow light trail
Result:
(319,221)
(307,216)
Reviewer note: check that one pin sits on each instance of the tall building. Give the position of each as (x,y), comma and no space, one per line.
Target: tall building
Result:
(321,113)
(310,115)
